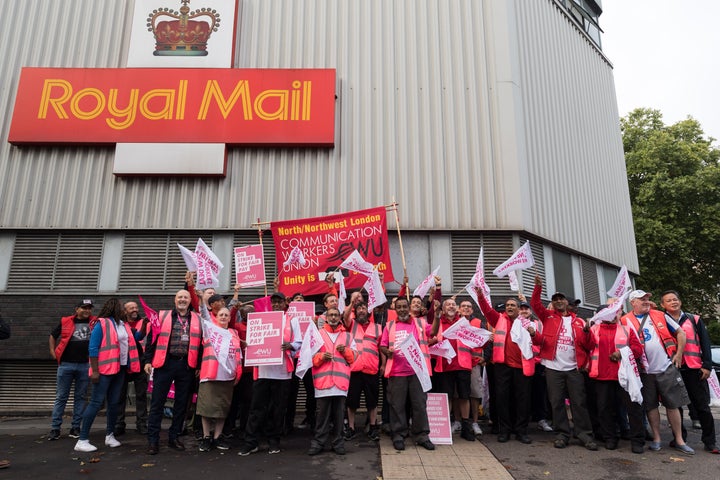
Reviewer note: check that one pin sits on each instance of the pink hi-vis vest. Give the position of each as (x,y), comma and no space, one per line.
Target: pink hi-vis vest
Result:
(209,364)
(109,353)
(502,329)
(164,339)
(420,324)
(367,341)
(621,340)
(692,355)
(335,373)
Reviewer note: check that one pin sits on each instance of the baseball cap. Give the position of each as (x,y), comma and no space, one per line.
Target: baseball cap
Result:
(557,295)
(524,304)
(85,302)
(574,301)
(635,294)
(279,295)
(215,298)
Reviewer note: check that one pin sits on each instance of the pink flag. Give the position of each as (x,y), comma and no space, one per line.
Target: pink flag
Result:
(262,304)
(374,287)
(622,283)
(356,263)
(520,260)
(152,317)
(426,284)
(296,258)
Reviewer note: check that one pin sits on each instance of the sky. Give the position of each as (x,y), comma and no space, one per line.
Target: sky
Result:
(666,56)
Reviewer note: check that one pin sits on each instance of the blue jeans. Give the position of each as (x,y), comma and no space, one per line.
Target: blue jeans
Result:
(68,372)
(109,386)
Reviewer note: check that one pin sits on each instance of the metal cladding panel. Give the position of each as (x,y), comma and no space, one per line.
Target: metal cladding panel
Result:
(424,114)
(577,182)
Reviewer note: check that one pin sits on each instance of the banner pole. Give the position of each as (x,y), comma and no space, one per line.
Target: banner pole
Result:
(260,234)
(402,250)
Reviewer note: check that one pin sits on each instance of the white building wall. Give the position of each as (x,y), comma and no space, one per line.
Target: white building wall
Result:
(473,114)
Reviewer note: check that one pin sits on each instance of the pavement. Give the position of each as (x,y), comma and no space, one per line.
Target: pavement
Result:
(23,442)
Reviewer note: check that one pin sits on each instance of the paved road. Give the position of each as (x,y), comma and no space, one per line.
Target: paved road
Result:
(22,441)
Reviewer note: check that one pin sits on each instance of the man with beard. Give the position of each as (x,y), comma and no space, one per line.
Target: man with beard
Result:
(403,383)
(364,371)
(140,379)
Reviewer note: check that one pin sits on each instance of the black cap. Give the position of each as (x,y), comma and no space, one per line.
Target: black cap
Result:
(557,295)
(524,304)
(500,307)
(574,301)
(279,295)
(85,302)
(215,298)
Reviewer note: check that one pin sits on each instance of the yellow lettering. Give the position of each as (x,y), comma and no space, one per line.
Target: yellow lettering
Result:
(213,92)
(128,113)
(56,103)
(281,112)
(166,110)
(92,93)
(307,93)
(295,109)
(182,99)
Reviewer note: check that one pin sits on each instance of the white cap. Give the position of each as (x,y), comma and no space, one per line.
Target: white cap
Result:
(635,294)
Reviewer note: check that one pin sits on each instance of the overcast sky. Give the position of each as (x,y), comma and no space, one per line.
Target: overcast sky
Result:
(666,56)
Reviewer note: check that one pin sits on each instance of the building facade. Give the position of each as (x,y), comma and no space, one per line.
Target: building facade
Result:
(490,122)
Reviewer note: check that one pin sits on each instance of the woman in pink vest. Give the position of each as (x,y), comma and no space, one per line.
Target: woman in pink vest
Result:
(220,371)
(113,351)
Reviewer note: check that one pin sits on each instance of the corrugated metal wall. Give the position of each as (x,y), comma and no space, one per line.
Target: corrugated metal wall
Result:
(469,112)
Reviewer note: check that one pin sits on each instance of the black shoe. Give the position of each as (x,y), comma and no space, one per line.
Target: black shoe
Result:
(349,433)
(523,439)
(54,435)
(466,431)
(221,443)
(153,449)
(560,443)
(427,444)
(712,449)
(591,446)
(399,444)
(339,450)
(638,449)
(503,437)
(74,433)
(142,430)
(205,444)
(176,444)
(314,451)
(119,431)
(611,444)
(374,433)
(247,450)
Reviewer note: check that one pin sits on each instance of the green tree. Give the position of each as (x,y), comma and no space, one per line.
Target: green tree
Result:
(674,179)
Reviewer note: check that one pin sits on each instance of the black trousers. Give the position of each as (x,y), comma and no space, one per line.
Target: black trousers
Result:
(609,394)
(310,405)
(178,371)
(140,380)
(329,426)
(569,384)
(699,393)
(512,394)
(267,411)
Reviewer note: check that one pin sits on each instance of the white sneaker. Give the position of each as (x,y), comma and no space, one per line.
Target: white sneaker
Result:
(476,429)
(456,426)
(84,446)
(545,426)
(111,441)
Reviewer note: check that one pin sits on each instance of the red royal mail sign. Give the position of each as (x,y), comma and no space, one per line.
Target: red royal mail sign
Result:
(175,105)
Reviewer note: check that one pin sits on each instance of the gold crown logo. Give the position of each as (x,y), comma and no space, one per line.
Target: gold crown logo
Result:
(182,33)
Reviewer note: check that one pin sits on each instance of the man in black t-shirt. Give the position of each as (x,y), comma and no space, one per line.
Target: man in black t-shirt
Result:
(69,342)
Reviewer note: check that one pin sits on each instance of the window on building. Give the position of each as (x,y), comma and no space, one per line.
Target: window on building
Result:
(562,265)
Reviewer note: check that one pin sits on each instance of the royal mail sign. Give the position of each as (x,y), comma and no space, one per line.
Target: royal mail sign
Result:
(284,107)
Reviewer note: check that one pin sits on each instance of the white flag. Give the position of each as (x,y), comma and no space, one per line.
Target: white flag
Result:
(520,336)
(519,260)
(296,257)
(478,280)
(374,287)
(473,337)
(189,258)
(629,376)
(220,339)
(622,283)
(342,295)
(443,349)
(414,356)
(426,284)
(208,267)
(608,313)
(312,341)
(356,263)
(514,285)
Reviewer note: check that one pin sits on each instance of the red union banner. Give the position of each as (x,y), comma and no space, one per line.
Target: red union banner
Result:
(327,241)
(175,105)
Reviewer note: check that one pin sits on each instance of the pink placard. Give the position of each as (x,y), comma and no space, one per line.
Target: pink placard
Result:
(438,412)
(304,312)
(249,266)
(264,338)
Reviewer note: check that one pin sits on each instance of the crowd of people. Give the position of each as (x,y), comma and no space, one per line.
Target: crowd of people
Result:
(542,364)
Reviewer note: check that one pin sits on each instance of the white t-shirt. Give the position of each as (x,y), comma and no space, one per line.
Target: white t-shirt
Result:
(565,359)
(657,357)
